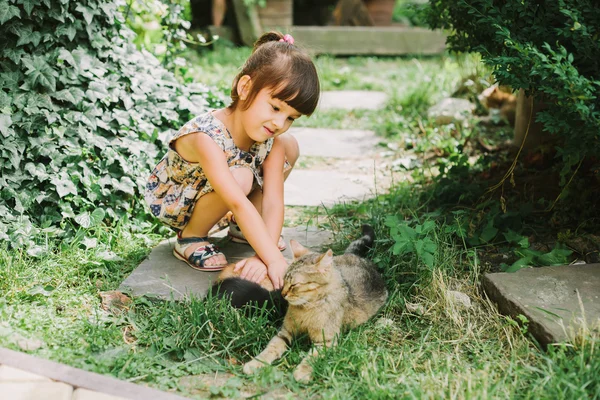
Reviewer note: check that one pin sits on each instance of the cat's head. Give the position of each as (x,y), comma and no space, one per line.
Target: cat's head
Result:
(307,275)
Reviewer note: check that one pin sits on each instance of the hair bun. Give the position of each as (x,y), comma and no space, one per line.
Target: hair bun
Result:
(267,37)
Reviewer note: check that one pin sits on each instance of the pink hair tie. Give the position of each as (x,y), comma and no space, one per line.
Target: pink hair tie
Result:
(287,38)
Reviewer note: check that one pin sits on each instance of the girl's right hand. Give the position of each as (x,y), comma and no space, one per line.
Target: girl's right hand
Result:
(276,273)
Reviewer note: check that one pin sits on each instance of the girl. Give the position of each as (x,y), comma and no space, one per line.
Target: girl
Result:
(236,159)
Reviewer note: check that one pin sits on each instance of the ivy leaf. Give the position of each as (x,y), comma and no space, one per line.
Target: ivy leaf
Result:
(88,13)
(64,185)
(96,91)
(73,95)
(5,123)
(84,220)
(27,35)
(7,12)
(29,5)
(40,72)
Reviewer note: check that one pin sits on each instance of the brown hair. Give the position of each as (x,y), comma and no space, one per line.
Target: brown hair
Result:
(283,67)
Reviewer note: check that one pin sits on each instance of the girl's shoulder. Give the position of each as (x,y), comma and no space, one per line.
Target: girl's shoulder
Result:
(206,123)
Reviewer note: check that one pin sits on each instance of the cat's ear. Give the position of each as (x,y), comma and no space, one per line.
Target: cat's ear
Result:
(325,262)
(297,249)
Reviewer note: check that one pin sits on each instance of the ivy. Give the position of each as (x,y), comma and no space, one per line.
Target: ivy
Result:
(83,114)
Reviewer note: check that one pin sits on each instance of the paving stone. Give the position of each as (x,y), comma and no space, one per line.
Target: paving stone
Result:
(161,275)
(557,301)
(36,391)
(352,99)
(320,187)
(84,394)
(9,374)
(337,143)
(70,377)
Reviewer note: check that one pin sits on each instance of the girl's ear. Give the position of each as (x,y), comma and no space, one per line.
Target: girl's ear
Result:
(243,86)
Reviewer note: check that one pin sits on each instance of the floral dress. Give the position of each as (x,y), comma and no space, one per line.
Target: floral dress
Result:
(175,185)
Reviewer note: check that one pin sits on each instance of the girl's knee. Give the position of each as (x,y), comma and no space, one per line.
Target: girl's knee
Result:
(292,149)
(244,178)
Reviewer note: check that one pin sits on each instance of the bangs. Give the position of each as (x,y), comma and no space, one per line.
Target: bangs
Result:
(298,94)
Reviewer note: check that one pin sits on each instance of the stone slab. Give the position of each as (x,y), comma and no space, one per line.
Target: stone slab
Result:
(557,301)
(352,100)
(14,375)
(36,390)
(319,187)
(163,276)
(77,378)
(336,143)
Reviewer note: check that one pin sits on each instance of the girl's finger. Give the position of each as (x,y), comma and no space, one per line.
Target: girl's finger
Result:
(240,264)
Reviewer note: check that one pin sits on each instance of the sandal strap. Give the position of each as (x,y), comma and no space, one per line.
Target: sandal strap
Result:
(183,243)
(202,254)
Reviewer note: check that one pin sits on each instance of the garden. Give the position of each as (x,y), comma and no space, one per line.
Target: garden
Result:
(91,89)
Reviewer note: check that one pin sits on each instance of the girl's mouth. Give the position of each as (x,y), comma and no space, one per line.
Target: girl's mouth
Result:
(270,132)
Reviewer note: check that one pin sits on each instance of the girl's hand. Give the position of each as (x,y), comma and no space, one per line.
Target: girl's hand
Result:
(276,273)
(253,269)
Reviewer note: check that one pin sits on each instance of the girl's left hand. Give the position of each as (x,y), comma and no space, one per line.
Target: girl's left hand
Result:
(253,269)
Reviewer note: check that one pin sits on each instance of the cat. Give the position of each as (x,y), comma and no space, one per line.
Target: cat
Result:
(501,99)
(324,293)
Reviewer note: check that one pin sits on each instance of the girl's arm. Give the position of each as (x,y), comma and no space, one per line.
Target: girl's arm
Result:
(201,148)
(272,198)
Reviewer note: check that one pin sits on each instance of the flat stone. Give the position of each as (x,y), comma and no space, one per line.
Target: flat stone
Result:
(352,100)
(66,378)
(10,374)
(336,143)
(84,394)
(36,390)
(319,187)
(163,276)
(559,302)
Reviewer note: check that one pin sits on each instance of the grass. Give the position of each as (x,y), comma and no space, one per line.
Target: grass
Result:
(423,344)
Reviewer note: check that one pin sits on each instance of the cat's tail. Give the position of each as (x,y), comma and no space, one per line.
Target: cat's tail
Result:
(242,293)
(362,245)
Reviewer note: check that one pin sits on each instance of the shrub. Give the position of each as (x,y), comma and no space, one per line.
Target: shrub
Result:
(549,48)
(82,115)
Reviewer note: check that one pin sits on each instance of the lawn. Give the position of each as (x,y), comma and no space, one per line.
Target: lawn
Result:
(423,343)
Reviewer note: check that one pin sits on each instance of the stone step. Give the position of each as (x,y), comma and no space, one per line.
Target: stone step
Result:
(352,100)
(336,143)
(163,276)
(558,302)
(321,187)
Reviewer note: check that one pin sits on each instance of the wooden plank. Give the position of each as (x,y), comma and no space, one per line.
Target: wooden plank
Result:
(359,40)
(248,22)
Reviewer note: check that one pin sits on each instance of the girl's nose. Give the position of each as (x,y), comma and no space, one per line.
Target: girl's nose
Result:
(279,121)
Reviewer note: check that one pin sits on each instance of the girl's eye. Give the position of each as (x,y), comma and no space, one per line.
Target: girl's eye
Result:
(275,108)
(291,119)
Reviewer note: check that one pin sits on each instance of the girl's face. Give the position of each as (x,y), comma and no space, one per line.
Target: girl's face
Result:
(267,116)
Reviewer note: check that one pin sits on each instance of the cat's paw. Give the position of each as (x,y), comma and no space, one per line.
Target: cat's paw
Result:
(252,366)
(303,373)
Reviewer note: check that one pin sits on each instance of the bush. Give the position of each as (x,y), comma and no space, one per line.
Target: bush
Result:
(549,48)
(82,115)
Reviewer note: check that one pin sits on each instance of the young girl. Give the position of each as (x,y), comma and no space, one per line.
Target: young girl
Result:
(236,159)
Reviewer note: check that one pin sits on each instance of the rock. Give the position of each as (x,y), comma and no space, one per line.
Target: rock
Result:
(451,110)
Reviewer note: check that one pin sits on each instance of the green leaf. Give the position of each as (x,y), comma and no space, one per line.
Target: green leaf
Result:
(7,12)
(5,123)
(64,185)
(84,220)
(489,232)
(520,263)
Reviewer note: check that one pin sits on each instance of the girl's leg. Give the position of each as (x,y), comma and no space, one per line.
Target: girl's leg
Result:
(209,209)
(292,152)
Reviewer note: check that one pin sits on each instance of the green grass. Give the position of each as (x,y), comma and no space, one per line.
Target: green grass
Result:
(421,345)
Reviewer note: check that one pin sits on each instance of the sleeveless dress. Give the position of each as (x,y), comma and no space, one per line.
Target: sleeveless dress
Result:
(175,184)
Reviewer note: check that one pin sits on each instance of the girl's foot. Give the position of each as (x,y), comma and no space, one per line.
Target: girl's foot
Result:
(199,254)
(236,235)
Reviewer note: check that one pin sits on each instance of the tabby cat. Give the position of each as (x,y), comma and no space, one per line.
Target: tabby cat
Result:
(325,293)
